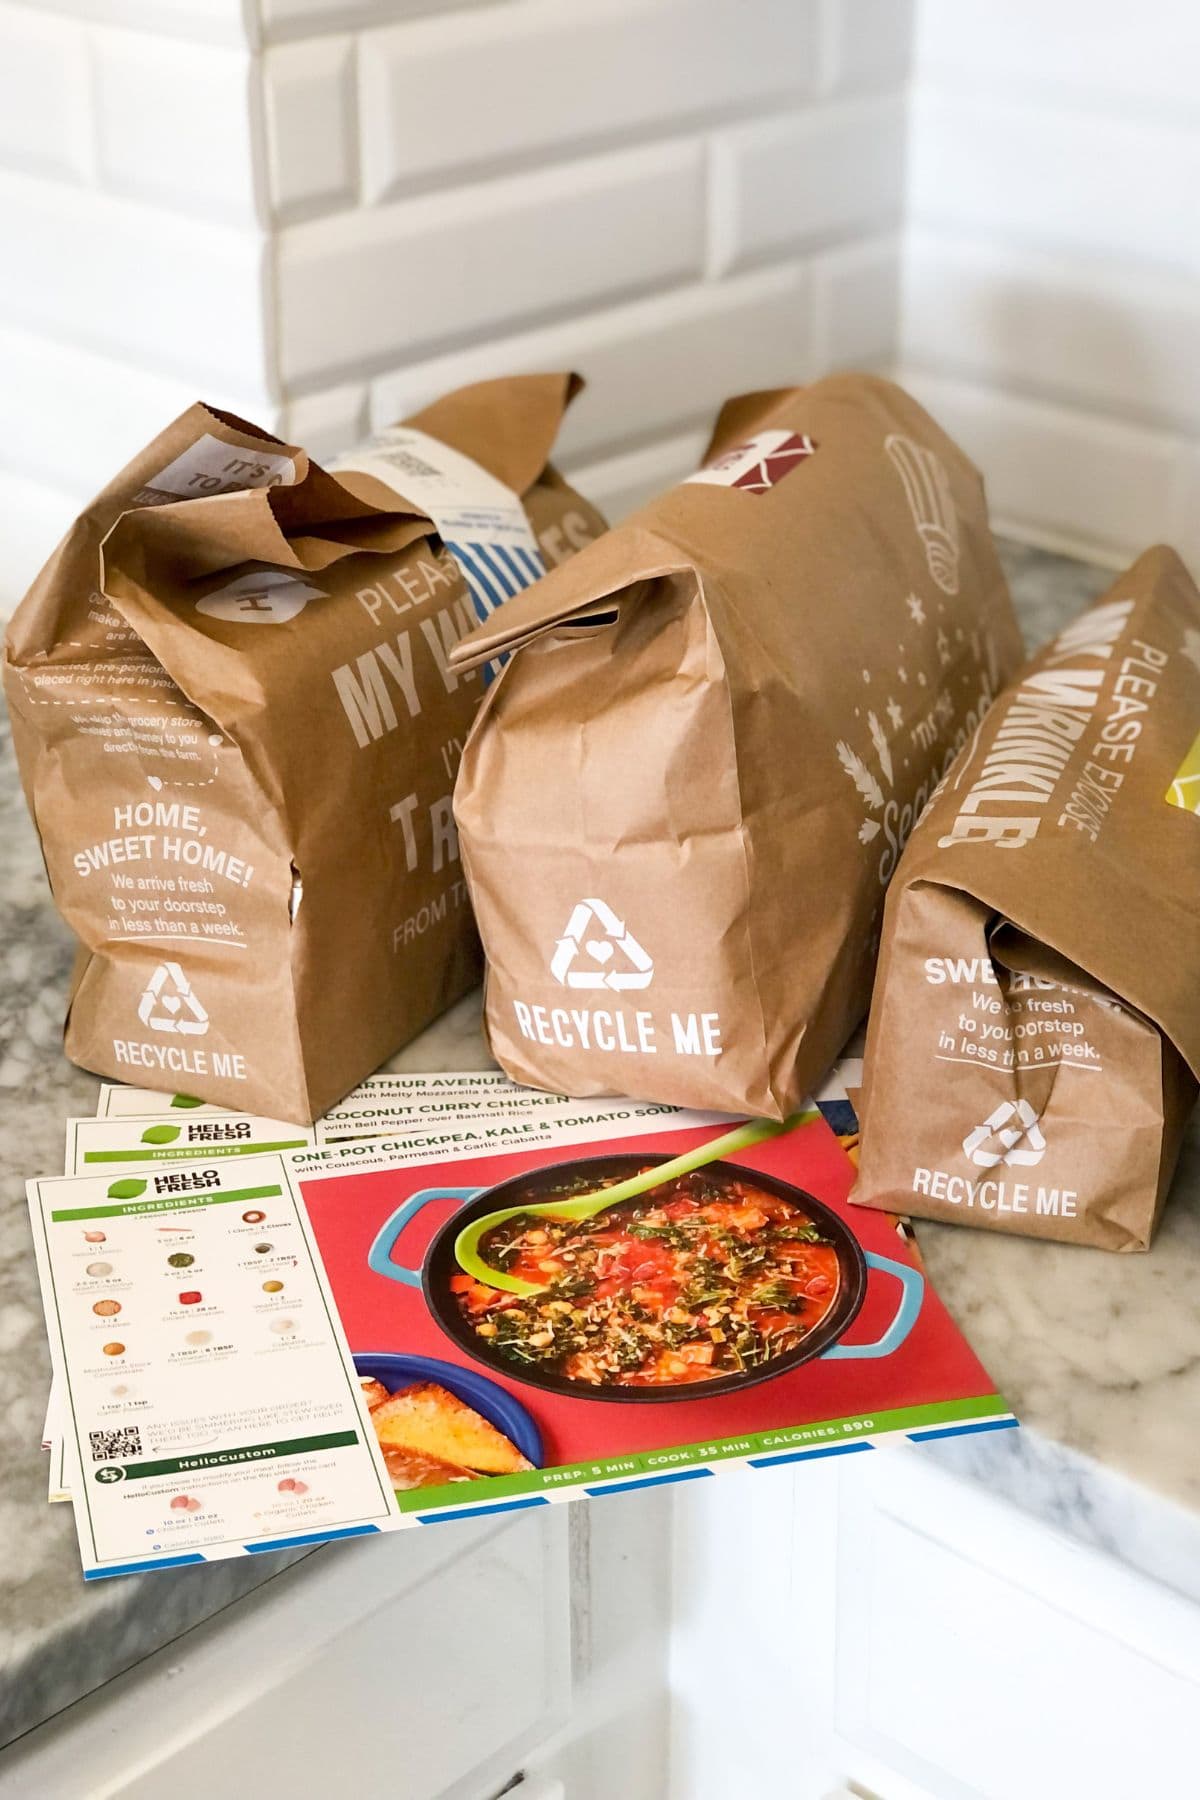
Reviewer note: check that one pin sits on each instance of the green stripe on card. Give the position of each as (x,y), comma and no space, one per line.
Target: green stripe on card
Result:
(818,1434)
(166,1203)
(191,1152)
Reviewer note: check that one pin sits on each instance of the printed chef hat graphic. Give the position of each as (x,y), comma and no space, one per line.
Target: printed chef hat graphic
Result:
(927,489)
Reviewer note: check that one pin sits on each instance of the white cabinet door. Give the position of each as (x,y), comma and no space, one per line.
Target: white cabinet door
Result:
(880,1625)
(417,1665)
(983,1656)
(754,1616)
(437,1664)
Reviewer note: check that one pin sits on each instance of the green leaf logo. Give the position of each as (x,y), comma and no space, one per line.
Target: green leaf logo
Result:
(128,1189)
(160,1134)
(187,1100)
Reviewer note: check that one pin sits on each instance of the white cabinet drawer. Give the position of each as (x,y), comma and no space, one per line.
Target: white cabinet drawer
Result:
(983,1656)
(879,1625)
(420,1664)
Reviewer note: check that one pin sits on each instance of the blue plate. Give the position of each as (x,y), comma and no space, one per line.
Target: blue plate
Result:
(495,1403)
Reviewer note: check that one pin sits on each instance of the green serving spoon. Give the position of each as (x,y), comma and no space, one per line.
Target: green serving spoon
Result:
(586,1206)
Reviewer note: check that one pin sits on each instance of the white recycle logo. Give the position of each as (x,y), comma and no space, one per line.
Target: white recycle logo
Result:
(1015,1128)
(169,1004)
(635,969)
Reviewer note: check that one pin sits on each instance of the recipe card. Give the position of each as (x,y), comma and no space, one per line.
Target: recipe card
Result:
(444,1114)
(387,1095)
(209,1404)
(119,1102)
(123,1142)
(264,1351)
(129,1143)
(731,1311)
(525,1116)
(383,1101)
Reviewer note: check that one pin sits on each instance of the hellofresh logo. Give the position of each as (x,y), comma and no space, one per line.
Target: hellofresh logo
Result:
(598,950)
(161,1134)
(128,1188)
(1011,1136)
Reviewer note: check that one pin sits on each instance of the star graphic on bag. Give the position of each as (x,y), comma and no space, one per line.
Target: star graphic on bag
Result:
(916,610)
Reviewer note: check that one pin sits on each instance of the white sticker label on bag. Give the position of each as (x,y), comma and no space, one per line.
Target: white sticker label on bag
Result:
(265,597)
(481,522)
(759,464)
(211,467)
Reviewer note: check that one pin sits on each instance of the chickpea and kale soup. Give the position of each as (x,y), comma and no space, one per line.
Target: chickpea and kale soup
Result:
(703,1277)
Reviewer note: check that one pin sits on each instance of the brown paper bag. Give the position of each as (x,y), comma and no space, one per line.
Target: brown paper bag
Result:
(238,732)
(1035,1030)
(682,801)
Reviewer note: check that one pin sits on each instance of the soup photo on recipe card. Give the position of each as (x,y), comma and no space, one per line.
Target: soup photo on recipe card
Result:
(663,1296)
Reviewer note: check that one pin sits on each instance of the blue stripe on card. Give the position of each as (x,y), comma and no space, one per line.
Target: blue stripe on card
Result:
(148,1562)
(477,1512)
(626,1487)
(311,1537)
(948,1431)
(795,1456)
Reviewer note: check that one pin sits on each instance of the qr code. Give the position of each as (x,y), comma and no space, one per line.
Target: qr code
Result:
(126,1440)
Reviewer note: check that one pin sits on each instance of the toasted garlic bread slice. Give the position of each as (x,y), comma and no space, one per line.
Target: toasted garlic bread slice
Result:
(409,1469)
(429,1419)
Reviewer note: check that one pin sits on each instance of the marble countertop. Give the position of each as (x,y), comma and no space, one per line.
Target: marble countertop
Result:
(1099,1355)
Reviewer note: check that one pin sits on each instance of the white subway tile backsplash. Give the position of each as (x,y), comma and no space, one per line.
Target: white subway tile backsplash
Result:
(295,18)
(200,21)
(826,172)
(1092,53)
(651,366)
(1185,509)
(173,123)
(856,297)
(1110,336)
(35,518)
(1053,253)
(361,288)
(1075,183)
(312,211)
(311,128)
(70,418)
(868,43)
(45,105)
(329,421)
(165,292)
(1064,476)
(477,90)
(620,484)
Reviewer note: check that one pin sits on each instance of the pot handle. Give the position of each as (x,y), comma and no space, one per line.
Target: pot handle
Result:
(912,1290)
(379,1256)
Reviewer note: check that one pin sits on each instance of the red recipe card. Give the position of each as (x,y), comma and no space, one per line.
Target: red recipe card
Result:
(740,1313)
